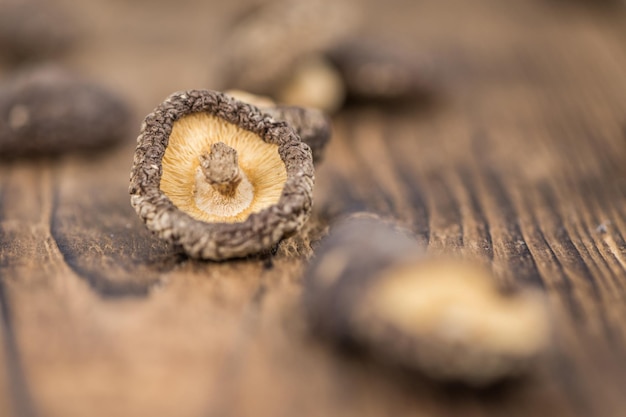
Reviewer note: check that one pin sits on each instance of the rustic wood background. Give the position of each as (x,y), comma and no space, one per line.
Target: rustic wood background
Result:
(519,162)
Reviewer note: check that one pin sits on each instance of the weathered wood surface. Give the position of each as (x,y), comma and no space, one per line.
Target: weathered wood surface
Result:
(520,163)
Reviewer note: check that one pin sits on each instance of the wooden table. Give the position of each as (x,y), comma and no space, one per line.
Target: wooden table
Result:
(520,163)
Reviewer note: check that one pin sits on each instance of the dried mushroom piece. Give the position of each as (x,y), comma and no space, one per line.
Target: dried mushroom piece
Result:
(34,29)
(218,177)
(49,110)
(309,53)
(313,81)
(312,125)
(374,70)
(265,51)
(373,287)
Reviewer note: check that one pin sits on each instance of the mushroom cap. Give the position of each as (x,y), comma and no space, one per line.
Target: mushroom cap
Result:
(34,29)
(454,320)
(373,287)
(313,81)
(49,110)
(263,48)
(373,69)
(311,124)
(230,238)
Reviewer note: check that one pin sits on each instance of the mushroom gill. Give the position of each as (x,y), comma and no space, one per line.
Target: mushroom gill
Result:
(261,173)
(458,303)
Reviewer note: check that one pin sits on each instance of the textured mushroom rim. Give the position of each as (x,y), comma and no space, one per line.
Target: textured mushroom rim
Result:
(164,218)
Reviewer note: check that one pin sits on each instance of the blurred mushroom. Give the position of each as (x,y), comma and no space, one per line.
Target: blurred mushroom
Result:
(269,51)
(372,69)
(309,53)
(49,110)
(313,81)
(372,286)
(219,178)
(34,29)
(312,125)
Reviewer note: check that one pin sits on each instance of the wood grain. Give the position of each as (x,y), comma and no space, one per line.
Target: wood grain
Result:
(519,163)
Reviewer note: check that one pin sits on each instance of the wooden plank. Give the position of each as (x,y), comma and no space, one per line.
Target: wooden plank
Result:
(15,397)
(6,397)
(8,394)
(519,165)
(6,401)
(79,349)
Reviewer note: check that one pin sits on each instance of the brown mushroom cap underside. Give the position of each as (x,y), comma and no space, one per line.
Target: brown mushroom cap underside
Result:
(216,171)
(221,240)
(373,286)
(456,323)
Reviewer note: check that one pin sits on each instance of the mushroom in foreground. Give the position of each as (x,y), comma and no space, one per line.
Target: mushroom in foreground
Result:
(49,110)
(312,125)
(218,177)
(373,287)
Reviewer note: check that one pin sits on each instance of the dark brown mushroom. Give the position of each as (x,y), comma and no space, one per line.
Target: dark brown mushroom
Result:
(311,54)
(312,125)
(373,286)
(372,69)
(34,29)
(49,110)
(277,50)
(218,177)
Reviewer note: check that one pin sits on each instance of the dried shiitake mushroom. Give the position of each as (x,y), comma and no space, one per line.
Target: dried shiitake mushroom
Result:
(218,177)
(372,286)
(313,81)
(269,51)
(34,29)
(311,124)
(372,69)
(309,53)
(49,110)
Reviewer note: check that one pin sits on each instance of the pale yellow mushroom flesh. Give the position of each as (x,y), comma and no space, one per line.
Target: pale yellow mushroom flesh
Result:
(459,304)
(314,82)
(261,173)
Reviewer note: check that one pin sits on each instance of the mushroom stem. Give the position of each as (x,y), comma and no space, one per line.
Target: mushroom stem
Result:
(221,168)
